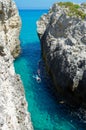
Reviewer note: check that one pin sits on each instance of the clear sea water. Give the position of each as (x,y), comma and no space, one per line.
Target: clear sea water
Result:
(46,112)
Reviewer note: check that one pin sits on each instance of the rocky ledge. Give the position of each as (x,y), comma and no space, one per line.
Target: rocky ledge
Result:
(13,106)
(62,32)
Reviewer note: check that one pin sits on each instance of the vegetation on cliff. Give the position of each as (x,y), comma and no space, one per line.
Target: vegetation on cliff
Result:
(74,9)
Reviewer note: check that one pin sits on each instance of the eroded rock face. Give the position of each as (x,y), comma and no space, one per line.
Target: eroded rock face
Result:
(10,23)
(63,42)
(13,106)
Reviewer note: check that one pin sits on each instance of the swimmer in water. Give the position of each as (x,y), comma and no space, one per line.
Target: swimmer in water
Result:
(38,79)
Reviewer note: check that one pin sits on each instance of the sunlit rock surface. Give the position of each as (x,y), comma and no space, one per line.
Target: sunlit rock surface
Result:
(13,106)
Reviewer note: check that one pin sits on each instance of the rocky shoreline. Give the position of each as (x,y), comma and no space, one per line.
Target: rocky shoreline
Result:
(62,32)
(13,105)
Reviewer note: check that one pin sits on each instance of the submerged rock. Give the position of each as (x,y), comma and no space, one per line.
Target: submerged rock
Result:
(62,32)
(13,106)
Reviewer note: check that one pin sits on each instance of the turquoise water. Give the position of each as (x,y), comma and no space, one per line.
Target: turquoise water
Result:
(46,112)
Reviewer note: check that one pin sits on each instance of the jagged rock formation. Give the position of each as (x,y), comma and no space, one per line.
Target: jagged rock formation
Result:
(13,106)
(62,32)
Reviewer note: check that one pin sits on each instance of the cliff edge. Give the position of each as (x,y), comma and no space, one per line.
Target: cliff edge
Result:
(62,32)
(13,106)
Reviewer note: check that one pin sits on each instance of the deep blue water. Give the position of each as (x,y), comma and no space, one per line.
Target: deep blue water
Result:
(46,112)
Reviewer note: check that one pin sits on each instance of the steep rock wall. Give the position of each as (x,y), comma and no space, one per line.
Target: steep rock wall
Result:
(62,32)
(13,106)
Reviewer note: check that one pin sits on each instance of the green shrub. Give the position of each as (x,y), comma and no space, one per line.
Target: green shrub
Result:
(74,9)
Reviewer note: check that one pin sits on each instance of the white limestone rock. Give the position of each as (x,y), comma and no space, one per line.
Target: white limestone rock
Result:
(13,105)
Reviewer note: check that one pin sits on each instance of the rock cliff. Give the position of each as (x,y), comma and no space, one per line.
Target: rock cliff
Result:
(13,106)
(62,32)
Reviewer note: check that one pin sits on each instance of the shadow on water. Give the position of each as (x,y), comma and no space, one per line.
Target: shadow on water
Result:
(44,95)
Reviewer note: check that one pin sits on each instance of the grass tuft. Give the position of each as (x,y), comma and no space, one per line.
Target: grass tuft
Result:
(74,9)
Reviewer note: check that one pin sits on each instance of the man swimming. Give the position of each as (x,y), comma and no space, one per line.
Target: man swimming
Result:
(38,79)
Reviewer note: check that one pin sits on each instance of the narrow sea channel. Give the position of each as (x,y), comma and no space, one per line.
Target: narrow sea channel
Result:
(46,113)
